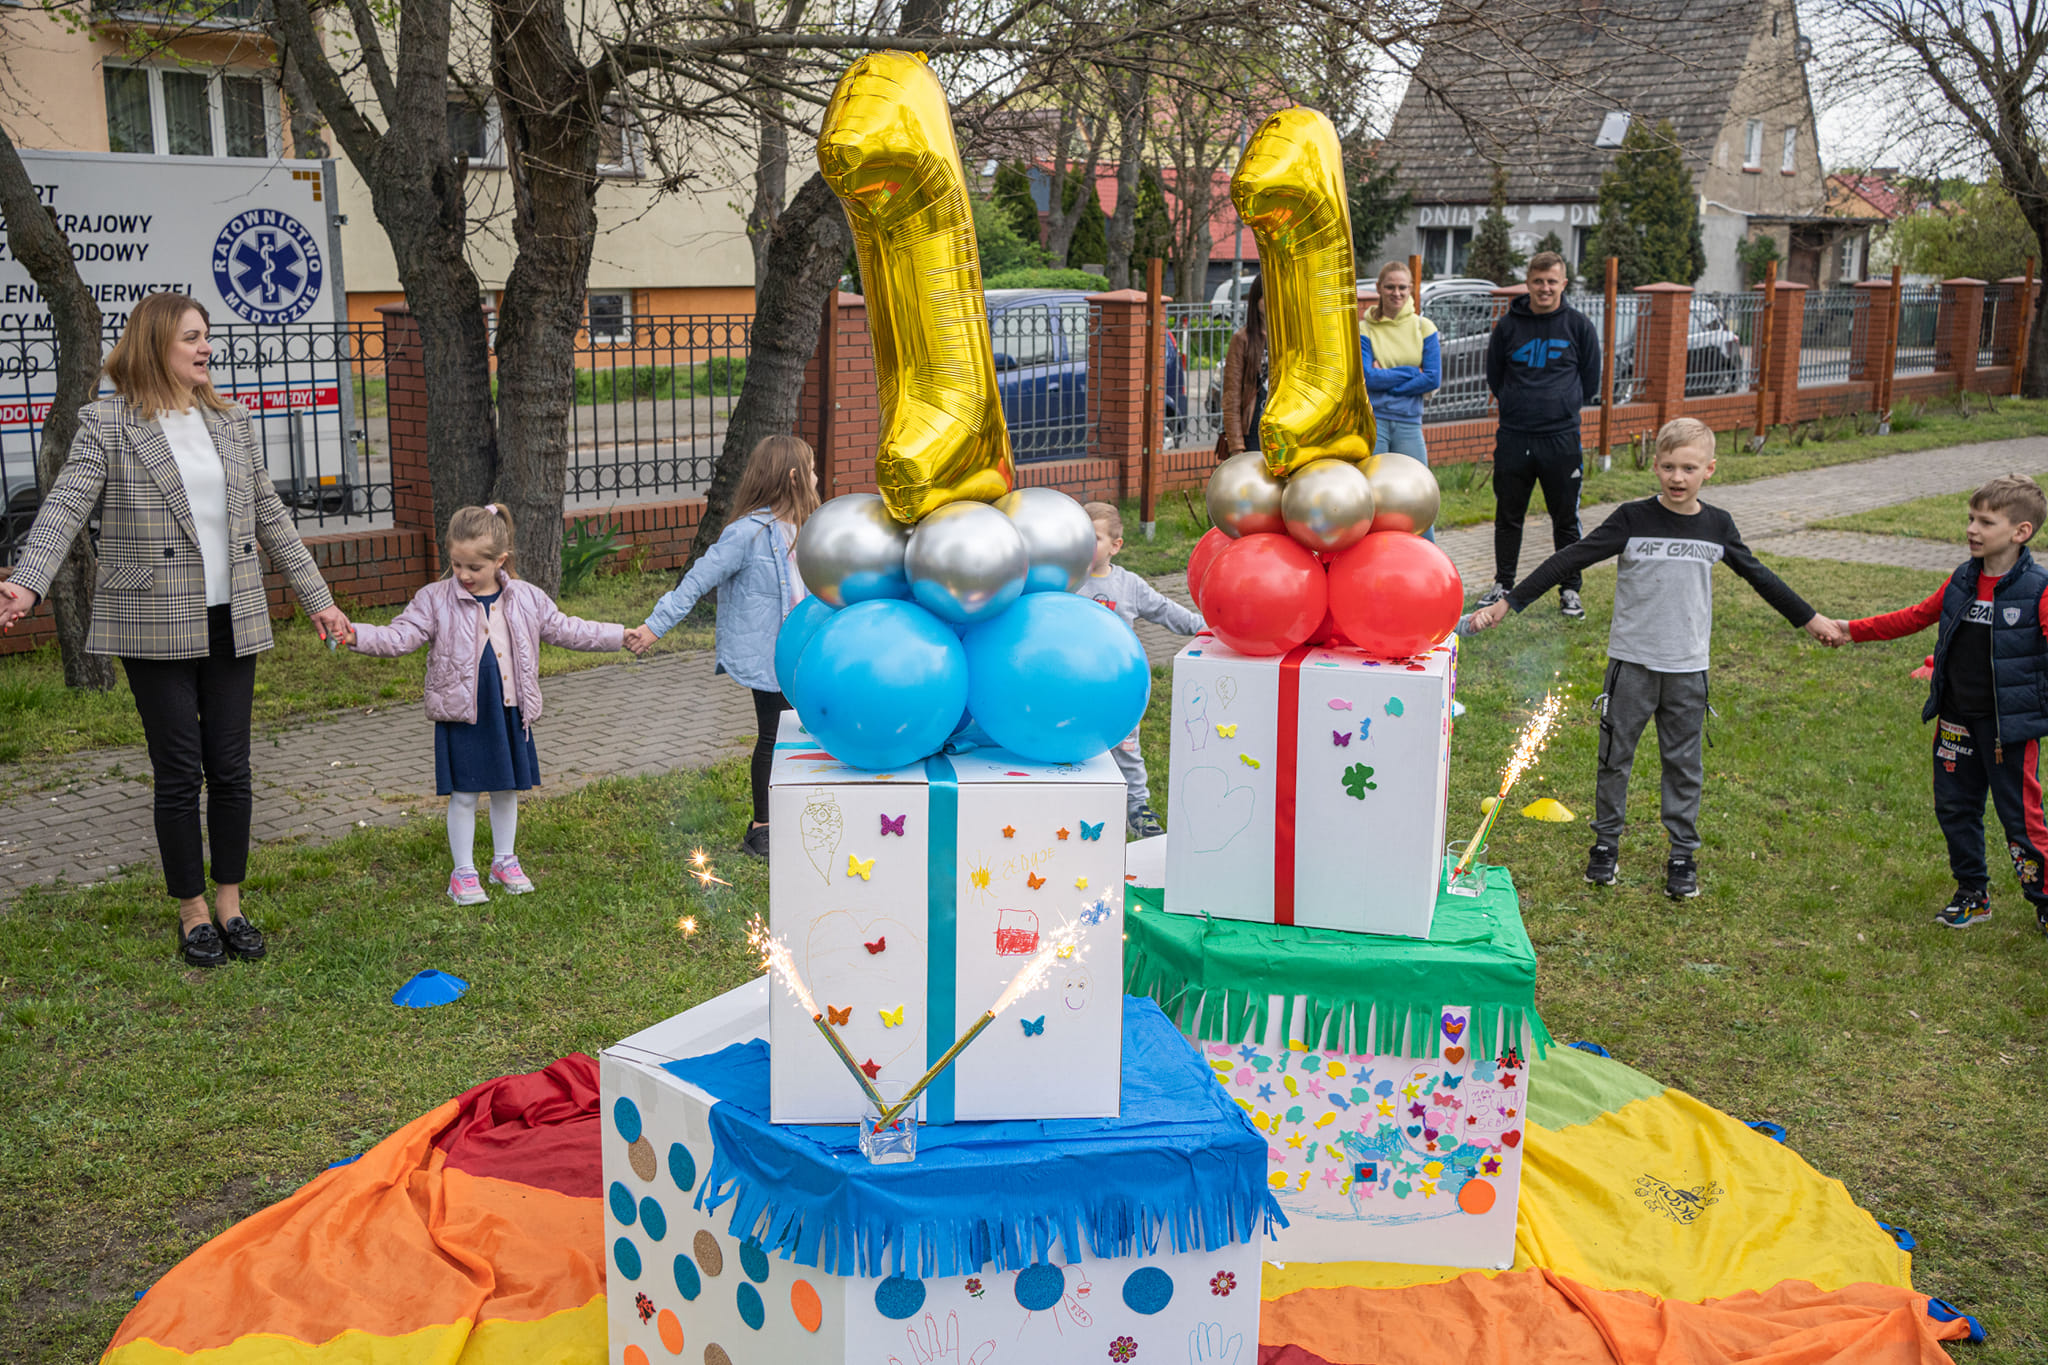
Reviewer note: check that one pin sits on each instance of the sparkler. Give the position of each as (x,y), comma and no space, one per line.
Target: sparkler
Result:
(1528,747)
(700,868)
(688,924)
(775,959)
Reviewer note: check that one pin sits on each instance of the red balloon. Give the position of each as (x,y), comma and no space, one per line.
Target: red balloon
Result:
(1395,594)
(1201,557)
(1329,632)
(1265,594)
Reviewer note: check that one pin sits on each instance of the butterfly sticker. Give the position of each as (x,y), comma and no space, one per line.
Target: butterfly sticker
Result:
(1093,831)
(837,1016)
(894,826)
(863,870)
(1033,1027)
(1227,731)
(1033,880)
(877,946)
(1340,738)
(1064,951)
(1097,912)
(891,1018)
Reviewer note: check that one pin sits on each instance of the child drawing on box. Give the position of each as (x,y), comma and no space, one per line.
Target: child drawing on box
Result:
(485,627)
(1657,647)
(1133,599)
(1988,697)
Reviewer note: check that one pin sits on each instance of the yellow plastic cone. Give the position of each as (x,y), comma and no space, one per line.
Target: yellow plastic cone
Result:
(1545,808)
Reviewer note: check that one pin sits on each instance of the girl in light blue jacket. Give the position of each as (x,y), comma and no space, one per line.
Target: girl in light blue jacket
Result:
(753,566)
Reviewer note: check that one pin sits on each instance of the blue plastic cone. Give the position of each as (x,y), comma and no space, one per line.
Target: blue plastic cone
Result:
(429,988)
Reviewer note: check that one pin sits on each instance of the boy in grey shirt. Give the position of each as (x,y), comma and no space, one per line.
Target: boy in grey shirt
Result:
(1657,646)
(1134,600)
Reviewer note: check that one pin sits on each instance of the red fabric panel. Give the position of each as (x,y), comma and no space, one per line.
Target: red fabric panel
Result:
(540,1129)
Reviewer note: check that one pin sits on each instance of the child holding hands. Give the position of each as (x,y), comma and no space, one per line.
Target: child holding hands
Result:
(485,627)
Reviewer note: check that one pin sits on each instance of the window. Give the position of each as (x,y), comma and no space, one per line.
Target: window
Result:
(1613,129)
(178,111)
(611,318)
(618,142)
(1790,164)
(474,132)
(1850,260)
(1582,246)
(1753,146)
(1446,250)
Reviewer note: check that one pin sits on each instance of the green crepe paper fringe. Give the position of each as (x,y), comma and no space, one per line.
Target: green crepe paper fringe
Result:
(1355,1025)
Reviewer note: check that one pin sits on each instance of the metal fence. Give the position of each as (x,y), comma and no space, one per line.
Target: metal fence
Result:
(1919,330)
(1721,352)
(652,405)
(314,391)
(1833,320)
(1996,297)
(1199,340)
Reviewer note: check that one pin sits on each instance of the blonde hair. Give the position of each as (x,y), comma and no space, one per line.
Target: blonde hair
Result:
(1379,285)
(2011,494)
(1105,514)
(489,526)
(1684,431)
(139,364)
(774,479)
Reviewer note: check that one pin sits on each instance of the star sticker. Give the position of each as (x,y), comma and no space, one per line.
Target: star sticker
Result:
(1507,1082)
(1386,1109)
(1009,831)
(1315,1087)
(871,1068)
(1330,1177)
(1061,831)
(1415,1111)
(1266,1093)
(1491,1165)
(1247,1052)
(1080,883)
(1428,1188)
(1408,1091)
(1295,1139)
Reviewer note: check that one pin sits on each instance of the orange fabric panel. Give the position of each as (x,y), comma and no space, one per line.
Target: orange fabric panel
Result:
(1532,1315)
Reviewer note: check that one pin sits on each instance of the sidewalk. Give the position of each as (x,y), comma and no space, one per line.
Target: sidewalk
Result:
(672,712)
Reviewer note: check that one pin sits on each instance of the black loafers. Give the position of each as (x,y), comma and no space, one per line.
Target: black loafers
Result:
(244,939)
(202,946)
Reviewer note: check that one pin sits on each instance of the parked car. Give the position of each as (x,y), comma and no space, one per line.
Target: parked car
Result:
(1041,354)
(1229,294)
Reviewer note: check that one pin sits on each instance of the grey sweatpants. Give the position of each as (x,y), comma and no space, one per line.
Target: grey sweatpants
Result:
(1679,703)
(1130,761)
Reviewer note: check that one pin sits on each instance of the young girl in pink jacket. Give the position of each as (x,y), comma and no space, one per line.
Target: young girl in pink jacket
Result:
(483,685)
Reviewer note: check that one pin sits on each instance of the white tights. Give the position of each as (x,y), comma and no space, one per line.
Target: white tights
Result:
(462,826)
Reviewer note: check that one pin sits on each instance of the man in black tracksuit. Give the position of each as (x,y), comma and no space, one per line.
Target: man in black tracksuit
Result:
(1542,365)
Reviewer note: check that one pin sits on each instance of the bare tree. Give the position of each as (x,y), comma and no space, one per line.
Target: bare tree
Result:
(37,242)
(1129,90)
(1077,118)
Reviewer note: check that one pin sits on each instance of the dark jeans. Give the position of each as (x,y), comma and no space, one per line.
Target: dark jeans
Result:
(1966,770)
(195,714)
(768,709)
(1520,462)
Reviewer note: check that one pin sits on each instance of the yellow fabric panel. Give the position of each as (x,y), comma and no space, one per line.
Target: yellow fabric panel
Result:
(575,1336)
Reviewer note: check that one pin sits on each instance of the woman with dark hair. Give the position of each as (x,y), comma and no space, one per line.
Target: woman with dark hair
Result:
(1244,376)
(176,476)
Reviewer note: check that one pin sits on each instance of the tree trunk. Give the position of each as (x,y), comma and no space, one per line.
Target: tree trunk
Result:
(1063,219)
(34,239)
(552,116)
(1122,231)
(303,114)
(2034,376)
(805,252)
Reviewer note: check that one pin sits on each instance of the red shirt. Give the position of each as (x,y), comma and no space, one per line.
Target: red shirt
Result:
(1893,625)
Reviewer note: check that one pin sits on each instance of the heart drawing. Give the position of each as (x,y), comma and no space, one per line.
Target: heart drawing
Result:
(1212,811)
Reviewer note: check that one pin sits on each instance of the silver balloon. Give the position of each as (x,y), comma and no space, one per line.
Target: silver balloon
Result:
(1404,492)
(1243,497)
(966,562)
(1327,505)
(851,550)
(1058,537)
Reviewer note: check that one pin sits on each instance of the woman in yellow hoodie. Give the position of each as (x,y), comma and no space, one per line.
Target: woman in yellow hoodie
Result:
(1402,363)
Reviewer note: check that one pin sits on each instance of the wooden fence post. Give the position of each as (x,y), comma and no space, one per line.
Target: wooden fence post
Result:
(1155,398)
(1607,358)
(2026,325)
(1763,354)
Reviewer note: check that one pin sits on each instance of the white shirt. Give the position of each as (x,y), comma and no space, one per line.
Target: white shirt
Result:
(206,492)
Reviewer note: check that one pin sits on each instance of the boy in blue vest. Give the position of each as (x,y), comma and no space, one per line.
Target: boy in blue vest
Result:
(1989,696)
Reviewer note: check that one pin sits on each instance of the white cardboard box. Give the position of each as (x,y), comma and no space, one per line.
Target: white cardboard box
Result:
(1360,1152)
(852,872)
(1364,787)
(699,1293)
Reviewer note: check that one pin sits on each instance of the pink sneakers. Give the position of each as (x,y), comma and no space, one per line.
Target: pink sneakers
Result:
(464,888)
(506,873)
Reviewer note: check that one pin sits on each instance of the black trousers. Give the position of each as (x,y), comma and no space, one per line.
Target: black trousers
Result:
(1520,462)
(1966,770)
(195,714)
(768,709)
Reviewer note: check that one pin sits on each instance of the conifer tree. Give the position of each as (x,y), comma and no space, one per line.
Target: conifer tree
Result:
(1091,236)
(1493,255)
(1012,194)
(1649,213)
(1550,242)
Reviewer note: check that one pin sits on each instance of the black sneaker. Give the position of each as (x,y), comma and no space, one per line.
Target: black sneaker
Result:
(755,845)
(1494,593)
(202,946)
(1602,864)
(1965,909)
(1568,602)
(1681,877)
(1144,823)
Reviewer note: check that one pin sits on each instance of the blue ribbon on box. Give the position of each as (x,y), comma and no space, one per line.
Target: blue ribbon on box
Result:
(942,930)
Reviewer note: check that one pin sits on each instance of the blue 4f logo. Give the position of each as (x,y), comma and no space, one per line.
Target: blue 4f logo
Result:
(1538,353)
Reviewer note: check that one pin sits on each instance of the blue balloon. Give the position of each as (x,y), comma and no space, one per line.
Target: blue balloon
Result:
(1057,678)
(882,684)
(797,629)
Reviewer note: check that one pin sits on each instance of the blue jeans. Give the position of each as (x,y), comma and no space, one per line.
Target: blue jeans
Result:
(1403,438)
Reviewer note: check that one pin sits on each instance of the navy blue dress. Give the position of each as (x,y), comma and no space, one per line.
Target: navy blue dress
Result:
(496,753)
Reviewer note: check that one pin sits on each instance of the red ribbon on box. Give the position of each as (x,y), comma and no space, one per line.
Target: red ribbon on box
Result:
(1283,784)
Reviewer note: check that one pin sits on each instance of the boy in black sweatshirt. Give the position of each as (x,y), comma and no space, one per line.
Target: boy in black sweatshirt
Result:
(1542,365)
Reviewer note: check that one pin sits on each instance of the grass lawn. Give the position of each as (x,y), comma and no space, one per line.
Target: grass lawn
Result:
(1468,491)
(1939,518)
(40,718)
(150,1106)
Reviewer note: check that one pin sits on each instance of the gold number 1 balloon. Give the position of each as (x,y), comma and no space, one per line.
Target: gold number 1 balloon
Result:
(887,150)
(1290,190)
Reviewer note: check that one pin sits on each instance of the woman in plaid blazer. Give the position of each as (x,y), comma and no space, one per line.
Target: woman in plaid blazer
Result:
(184,501)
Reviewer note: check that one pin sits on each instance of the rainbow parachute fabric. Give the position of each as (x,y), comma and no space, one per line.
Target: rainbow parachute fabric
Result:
(1653,1229)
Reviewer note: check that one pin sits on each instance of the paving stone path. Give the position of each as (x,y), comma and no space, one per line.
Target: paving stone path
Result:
(318,778)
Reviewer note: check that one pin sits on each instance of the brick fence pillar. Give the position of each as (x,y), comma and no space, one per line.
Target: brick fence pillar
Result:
(1116,385)
(405,401)
(1660,347)
(2005,328)
(1870,344)
(1962,320)
(846,454)
(1788,327)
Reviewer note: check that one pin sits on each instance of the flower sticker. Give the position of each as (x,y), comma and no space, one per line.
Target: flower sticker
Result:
(1221,1283)
(974,1289)
(1123,1349)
